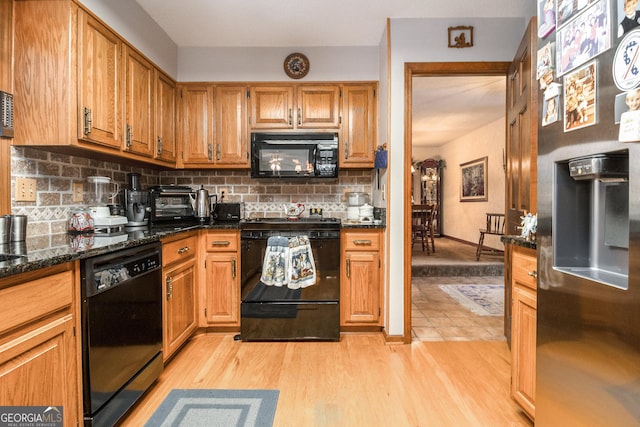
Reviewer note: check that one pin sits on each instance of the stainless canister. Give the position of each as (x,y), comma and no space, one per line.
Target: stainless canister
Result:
(18,228)
(5,229)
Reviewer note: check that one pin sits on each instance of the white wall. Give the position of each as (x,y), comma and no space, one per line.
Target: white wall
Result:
(267,64)
(462,220)
(425,40)
(129,20)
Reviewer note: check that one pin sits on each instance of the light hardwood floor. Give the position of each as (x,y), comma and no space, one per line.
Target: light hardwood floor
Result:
(359,381)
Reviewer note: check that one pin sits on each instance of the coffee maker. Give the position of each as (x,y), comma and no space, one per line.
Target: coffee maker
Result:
(135,203)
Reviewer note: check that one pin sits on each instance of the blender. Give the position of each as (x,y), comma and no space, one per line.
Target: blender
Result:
(100,192)
(135,203)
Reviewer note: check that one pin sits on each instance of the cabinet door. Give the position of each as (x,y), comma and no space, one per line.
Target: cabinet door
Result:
(360,299)
(140,103)
(222,290)
(6,45)
(272,107)
(523,348)
(99,74)
(522,137)
(357,144)
(318,107)
(195,124)
(179,306)
(39,368)
(165,118)
(231,126)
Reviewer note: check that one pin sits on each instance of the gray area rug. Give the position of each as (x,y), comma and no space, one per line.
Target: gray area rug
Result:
(216,408)
(483,300)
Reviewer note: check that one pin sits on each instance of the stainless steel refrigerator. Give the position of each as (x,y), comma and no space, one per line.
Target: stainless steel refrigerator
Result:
(588,236)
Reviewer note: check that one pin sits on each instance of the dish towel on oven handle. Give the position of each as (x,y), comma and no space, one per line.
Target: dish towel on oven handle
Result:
(302,269)
(288,261)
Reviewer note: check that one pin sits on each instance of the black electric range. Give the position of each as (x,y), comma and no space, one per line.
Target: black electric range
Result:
(281,300)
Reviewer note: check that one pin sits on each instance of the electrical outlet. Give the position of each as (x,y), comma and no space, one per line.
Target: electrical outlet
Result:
(78,190)
(224,194)
(26,189)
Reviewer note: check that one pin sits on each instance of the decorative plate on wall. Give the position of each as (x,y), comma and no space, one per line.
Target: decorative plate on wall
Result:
(296,65)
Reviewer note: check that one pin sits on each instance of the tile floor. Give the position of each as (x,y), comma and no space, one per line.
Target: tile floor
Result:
(435,316)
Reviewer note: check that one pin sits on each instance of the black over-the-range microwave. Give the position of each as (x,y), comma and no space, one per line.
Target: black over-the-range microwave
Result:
(294,155)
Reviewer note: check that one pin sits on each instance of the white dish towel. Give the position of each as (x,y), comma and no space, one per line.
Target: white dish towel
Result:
(288,261)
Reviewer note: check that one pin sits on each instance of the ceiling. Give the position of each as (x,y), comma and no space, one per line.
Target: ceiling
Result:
(444,107)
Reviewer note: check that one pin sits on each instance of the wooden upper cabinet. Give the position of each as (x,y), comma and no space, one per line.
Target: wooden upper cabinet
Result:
(165,116)
(196,127)
(99,77)
(139,104)
(295,107)
(318,107)
(357,142)
(230,137)
(6,84)
(271,107)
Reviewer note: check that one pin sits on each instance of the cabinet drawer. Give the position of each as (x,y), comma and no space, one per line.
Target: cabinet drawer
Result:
(179,250)
(32,300)
(524,268)
(221,242)
(361,241)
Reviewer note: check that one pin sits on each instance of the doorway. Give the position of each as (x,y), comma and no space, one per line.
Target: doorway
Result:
(433,70)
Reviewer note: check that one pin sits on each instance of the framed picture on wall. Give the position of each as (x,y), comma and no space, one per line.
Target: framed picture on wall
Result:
(473,175)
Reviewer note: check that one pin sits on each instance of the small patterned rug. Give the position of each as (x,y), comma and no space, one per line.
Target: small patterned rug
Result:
(216,408)
(483,300)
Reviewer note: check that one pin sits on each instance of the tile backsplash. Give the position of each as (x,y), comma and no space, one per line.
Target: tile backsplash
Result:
(55,174)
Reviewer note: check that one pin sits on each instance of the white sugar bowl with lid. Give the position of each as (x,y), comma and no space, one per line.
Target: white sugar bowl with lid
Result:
(365,213)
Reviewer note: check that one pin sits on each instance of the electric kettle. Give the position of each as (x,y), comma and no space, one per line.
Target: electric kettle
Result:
(202,205)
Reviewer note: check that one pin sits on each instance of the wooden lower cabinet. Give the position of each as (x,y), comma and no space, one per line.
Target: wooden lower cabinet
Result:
(39,346)
(361,278)
(179,258)
(523,328)
(220,290)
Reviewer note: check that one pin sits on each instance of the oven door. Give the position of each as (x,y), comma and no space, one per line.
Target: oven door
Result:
(272,313)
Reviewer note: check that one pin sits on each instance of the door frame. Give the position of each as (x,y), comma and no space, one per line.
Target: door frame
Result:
(430,69)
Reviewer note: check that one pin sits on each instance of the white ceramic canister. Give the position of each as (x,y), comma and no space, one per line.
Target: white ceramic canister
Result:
(366,212)
(353,213)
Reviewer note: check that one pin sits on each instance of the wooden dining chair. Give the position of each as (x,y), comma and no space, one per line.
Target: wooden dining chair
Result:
(494,225)
(419,225)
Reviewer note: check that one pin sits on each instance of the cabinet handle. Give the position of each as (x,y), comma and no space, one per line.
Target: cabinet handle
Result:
(533,274)
(220,243)
(233,268)
(129,136)
(159,145)
(183,250)
(218,151)
(290,117)
(299,116)
(88,123)
(209,152)
(169,287)
(362,242)
(348,268)
(346,150)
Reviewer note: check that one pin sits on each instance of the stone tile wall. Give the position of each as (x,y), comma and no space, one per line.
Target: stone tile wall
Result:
(56,173)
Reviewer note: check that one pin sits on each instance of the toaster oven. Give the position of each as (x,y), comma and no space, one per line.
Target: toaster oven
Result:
(170,203)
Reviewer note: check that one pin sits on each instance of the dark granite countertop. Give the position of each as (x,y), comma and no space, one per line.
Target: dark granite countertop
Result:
(356,225)
(519,241)
(46,251)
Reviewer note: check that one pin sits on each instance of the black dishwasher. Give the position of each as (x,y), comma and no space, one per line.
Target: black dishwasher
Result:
(121,330)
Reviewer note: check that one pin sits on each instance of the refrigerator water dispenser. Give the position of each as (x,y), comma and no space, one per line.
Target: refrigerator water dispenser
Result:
(591,218)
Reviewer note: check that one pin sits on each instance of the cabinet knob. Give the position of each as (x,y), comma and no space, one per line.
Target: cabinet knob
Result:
(362,242)
(183,250)
(169,281)
(88,123)
(533,274)
(220,243)
(348,268)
